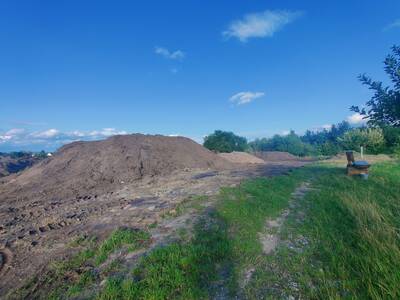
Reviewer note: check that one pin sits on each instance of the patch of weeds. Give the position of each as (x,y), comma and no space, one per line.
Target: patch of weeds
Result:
(71,277)
(194,202)
(152,225)
(134,239)
(179,270)
(85,280)
(182,233)
(113,267)
(83,240)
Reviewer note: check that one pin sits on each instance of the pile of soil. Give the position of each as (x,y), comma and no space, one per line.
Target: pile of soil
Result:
(81,167)
(241,157)
(275,156)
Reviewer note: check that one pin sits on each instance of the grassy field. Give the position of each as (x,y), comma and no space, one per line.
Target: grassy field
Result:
(341,240)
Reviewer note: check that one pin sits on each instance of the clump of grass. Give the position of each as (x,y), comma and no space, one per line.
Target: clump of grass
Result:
(177,271)
(134,239)
(85,279)
(193,202)
(69,278)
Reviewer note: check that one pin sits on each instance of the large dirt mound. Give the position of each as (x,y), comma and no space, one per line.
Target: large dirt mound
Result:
(85,166)
(275,156)
(241,157)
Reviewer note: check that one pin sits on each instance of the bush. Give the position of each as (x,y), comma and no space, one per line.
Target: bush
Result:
(372,139)
(392,137)
(223,141)
(291,143)
(328,148)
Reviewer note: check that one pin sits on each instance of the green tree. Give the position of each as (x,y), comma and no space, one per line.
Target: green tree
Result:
(223,141)
(291,143)
(392,137)
(384,106)
(372,139)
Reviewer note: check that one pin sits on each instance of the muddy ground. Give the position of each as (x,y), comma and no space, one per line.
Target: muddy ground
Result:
(35,232)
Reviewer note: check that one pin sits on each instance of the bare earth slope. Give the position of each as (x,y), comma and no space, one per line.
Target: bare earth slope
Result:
(91,188)
(241,157)
(98,166)
(271,156)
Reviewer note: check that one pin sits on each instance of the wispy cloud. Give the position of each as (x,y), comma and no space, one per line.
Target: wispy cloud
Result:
(50,133)
(11,134)
(260,25)
(175,55)
(395,24)
(52,138)
(245,97)
(356,119)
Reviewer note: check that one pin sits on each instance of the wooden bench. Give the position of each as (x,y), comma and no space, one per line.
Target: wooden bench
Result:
(359,167)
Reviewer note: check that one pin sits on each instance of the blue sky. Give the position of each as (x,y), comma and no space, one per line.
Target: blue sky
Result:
(74,70)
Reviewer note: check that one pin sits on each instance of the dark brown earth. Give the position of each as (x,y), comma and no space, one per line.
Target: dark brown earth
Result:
(91,188)
(277,156)
(241,157)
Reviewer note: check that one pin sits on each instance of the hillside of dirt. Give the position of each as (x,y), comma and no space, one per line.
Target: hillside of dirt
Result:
(99,166)
(271,156)
(241,157)
(92,188)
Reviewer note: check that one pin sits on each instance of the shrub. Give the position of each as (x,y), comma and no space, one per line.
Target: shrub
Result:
(291,143)
(392,137)
(372,139)
(223,141)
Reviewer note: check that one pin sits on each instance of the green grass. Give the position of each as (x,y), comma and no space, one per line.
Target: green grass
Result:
(355,224)
(224,242)
(353,250)
(69,278)
(246,209)
(131,238)
(177,271)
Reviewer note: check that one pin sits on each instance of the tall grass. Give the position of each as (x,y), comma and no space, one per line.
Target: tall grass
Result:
(355,224)
(225,242)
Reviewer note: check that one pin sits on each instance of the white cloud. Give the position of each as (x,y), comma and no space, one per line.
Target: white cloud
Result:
(263,24)
(327,126)
(356,119)
(77,133)
(106,132)
(12,134)
(176,55)
(245,97)
(392,25)
(285,132)
(50,133)
(52,138)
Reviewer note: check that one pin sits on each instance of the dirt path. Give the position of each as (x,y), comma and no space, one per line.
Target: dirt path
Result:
(270,238)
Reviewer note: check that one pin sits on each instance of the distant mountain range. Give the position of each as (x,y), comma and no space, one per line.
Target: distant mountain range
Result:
(17,161)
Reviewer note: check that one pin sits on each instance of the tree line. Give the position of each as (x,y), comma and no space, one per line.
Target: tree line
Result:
(381,134)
